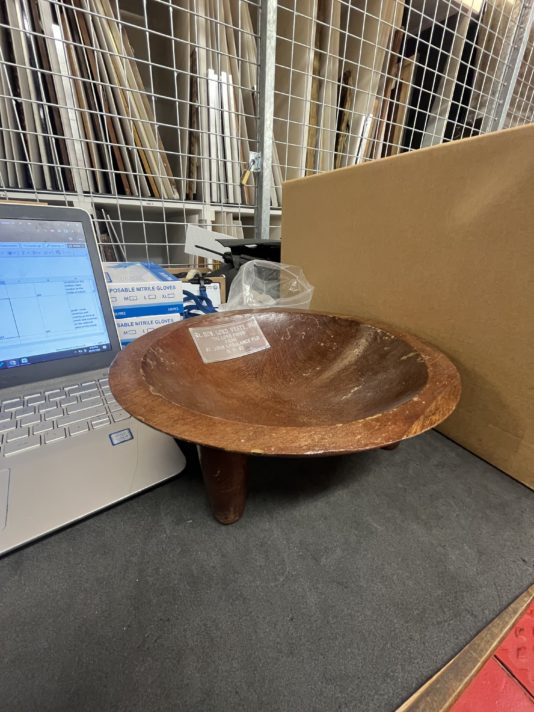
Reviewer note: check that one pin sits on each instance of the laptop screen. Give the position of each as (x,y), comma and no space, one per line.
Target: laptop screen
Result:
(49,303)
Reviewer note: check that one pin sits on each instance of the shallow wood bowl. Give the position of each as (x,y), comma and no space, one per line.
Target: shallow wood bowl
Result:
(327,384)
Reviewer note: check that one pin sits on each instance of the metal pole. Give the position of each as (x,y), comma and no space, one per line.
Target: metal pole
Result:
(267,42)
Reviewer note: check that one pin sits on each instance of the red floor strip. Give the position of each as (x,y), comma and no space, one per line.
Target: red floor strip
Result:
(506,681)
(516,652)
(494,690)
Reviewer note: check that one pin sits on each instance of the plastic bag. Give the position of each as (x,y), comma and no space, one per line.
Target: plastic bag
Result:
(263,284)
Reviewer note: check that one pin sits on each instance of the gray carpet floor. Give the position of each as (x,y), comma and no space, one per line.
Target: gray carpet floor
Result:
(348,582)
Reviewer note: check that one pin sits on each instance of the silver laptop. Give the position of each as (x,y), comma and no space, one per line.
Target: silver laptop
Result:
(67,448)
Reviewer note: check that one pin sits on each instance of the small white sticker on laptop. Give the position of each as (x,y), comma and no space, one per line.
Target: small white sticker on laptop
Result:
(238,336)
(121,436)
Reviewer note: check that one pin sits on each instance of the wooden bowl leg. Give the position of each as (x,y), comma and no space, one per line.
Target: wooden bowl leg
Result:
(225,477)
(393,446)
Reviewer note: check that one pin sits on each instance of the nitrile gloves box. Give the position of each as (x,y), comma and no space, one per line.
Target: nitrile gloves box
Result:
(143,296)
(131,329)
(136,285)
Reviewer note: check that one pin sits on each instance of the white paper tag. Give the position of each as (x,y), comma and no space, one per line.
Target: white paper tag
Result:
(238,336)
(204,243)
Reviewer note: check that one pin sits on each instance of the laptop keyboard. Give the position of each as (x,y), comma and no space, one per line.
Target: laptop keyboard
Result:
(51,416)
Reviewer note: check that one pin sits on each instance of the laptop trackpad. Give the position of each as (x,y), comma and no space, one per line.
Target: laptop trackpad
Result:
(4,491)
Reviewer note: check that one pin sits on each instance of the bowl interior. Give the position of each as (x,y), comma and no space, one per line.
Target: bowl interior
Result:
(319,370)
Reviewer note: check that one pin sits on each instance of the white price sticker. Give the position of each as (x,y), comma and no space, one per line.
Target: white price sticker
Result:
(238,336)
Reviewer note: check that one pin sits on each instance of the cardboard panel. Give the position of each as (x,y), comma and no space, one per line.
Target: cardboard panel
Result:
(439,242)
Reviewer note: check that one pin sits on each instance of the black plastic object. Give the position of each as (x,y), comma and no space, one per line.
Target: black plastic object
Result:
(253,249)
(241,251)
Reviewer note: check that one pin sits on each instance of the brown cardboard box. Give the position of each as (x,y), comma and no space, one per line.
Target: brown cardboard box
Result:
(439,242)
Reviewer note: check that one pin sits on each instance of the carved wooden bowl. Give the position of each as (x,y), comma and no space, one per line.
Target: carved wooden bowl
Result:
(327,384)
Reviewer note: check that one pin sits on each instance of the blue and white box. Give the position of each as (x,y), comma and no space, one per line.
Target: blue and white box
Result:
(143,296)
(132,328)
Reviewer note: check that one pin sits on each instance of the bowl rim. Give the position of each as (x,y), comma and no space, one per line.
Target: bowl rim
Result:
(427,408)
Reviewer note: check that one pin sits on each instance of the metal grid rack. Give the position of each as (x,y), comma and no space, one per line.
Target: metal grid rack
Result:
(141,111)
(154,114)
(521,108)
(359,81)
